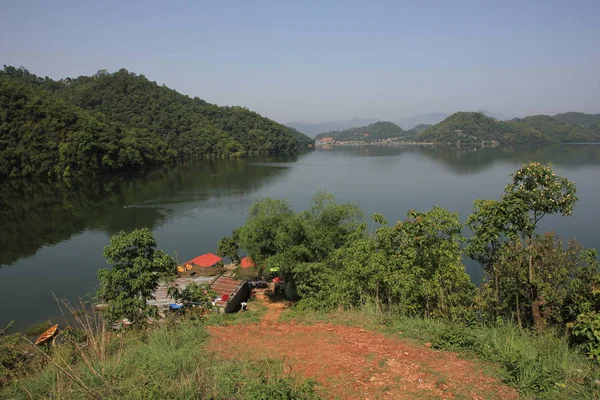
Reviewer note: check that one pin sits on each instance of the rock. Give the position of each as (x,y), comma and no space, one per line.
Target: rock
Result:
(405,353)
(361,330)
(330,329)
(427,344)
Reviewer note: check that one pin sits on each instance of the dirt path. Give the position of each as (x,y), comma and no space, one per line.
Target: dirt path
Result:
(352,363)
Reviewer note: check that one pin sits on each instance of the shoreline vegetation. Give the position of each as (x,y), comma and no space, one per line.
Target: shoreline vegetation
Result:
(535,317)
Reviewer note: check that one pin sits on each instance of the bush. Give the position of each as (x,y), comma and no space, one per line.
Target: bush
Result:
(586,329)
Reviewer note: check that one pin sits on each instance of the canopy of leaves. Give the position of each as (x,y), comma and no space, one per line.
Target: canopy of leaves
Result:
(119,121)
(137,268)
(369,133)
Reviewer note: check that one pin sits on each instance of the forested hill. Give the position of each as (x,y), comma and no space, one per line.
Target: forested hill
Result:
(561,131)
(369,133)
(472,127)
(577,118)
(120,121)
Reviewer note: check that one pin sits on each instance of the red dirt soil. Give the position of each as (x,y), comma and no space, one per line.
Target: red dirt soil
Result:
(353,363)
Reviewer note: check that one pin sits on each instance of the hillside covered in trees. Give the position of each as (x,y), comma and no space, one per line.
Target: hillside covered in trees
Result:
(120,121)
(373,132)
(472,127)
(577,118)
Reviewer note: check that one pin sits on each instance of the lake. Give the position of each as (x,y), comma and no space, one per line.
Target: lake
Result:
(52,235)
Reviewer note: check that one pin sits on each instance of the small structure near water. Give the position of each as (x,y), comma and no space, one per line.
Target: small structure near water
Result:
(207,260)
(231,292)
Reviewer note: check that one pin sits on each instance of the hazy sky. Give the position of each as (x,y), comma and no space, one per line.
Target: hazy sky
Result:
(324,60)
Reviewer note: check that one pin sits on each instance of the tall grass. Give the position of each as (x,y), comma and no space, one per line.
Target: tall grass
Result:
(167,361)
(537,365)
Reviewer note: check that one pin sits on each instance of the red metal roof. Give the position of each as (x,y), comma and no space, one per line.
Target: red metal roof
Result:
(247,262)
(205,260)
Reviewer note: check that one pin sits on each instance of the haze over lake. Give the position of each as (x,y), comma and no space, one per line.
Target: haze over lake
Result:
(53,235)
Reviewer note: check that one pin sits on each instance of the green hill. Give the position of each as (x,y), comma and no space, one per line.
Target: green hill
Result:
(577,118)
(473,127)
(369,133)
(560,131)
(419,128)
(121,121)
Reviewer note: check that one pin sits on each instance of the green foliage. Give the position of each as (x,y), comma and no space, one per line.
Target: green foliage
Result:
(586,329)
(541,365)
(542,192)
(519,268)
(327,260)
(38,329)
(198,296)
(120,121)
(411,268)
(277,237)
(370,133)
(137,267)
(228,247)
(168,361)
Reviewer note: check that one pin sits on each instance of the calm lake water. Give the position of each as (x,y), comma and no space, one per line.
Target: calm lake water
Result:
(52,236)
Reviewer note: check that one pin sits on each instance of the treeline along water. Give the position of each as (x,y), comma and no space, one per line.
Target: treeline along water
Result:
(52,234)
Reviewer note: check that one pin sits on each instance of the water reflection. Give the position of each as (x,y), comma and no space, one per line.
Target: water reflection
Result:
(471,159)
(36,214)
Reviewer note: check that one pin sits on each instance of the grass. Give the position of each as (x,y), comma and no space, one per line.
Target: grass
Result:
(166,361)
(255,311)
(537,365)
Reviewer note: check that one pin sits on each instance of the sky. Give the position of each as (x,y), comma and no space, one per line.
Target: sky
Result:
(326,60)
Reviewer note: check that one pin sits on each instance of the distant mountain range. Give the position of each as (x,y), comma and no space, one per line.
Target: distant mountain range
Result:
(314,128)
(475,127)
(470,127)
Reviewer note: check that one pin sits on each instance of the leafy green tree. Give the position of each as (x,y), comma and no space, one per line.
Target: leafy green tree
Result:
(199,296)
(137,268)
(534,192)
(413,267)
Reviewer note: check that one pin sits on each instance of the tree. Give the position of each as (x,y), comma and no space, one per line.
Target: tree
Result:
(534,192)
(137,268)
(413,267)
(198,296)
(228,247)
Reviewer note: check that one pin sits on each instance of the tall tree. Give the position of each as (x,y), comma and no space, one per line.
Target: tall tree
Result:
(137,268)
(535,191)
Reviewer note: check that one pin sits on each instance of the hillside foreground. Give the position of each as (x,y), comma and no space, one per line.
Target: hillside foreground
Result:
(349,362)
